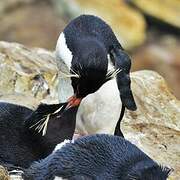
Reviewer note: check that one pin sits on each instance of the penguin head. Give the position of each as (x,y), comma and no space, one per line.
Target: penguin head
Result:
(89,82)
(90,64)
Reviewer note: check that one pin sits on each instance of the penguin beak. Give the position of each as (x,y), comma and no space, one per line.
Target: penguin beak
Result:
(73,101)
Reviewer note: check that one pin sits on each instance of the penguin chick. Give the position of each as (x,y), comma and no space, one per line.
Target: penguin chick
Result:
(20,141)
(97,157)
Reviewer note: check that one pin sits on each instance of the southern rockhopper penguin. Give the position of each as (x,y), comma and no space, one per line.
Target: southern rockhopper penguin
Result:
(84,46)
(21,136)
(97,157)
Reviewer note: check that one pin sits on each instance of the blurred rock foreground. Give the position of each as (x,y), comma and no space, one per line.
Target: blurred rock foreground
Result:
(29,76)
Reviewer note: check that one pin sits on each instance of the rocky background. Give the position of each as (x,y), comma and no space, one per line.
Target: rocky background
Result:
(149,30)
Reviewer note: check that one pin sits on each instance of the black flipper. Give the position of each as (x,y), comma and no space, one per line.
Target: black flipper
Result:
(123,62)
(118,131)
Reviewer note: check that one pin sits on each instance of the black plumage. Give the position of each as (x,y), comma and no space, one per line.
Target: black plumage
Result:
(21,143)
(97,157)
(90,41)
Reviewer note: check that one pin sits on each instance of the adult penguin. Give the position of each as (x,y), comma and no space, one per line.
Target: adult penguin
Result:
(84,46)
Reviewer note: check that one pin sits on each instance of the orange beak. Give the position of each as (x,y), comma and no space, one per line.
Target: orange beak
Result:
(73,101)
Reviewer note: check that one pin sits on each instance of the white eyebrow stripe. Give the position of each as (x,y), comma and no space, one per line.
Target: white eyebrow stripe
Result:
(63,52)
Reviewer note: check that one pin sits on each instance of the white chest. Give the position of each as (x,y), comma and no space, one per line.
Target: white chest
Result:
(100,111)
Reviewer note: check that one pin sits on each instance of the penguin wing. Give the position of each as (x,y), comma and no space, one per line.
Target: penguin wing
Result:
(123,63)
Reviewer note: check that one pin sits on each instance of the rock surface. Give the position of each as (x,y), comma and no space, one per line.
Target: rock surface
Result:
(27,76)
(154,127)
(3,173)
(167,11)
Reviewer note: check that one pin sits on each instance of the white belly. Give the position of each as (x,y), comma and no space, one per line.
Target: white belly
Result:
(100,111)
